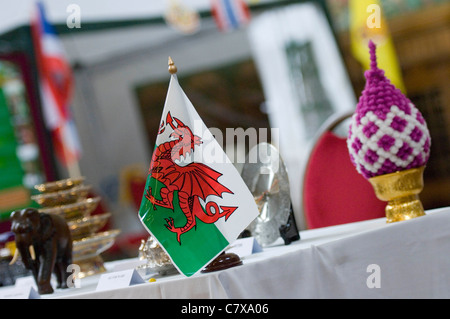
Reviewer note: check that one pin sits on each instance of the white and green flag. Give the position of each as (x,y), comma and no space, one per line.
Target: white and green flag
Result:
(195,203)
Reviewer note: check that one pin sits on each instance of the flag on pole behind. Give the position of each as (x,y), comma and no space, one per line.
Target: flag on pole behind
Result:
(367,23)
(56,84)
(195,202)
(230,14)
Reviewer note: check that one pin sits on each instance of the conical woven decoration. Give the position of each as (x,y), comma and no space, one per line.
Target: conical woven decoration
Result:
(387,133)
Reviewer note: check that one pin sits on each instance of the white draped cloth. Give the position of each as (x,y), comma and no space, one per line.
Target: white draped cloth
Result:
(369,259)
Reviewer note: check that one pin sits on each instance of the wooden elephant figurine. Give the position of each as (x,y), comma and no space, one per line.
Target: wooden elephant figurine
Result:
(44,242)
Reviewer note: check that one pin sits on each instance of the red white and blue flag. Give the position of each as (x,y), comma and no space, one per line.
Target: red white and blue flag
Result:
(56,85)
(230,14)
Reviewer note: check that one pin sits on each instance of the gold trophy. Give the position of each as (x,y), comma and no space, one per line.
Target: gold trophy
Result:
(389,144)
(70,198)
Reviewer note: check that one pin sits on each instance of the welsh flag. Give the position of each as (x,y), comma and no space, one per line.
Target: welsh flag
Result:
(195,203)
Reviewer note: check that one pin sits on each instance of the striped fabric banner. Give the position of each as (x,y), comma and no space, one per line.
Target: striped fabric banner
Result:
(56,85)
(230,14)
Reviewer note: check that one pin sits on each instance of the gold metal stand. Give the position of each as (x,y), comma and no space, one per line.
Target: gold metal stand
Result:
(69,198)
(400,190)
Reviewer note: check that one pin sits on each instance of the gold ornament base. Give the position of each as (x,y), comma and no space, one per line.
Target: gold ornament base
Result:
(400,190)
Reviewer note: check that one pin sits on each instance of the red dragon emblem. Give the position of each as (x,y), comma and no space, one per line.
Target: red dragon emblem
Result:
(192,182)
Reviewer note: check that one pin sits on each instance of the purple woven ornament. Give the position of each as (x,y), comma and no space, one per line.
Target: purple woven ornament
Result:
(387,132)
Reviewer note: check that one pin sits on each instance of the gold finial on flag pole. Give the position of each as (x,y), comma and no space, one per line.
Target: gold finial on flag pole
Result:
(172,66)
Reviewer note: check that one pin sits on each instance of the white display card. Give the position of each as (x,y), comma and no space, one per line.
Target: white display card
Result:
(119,279)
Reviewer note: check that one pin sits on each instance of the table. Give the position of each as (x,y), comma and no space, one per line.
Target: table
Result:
(368,259)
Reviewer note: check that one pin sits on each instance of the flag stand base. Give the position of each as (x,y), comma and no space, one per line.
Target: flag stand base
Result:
(223,261)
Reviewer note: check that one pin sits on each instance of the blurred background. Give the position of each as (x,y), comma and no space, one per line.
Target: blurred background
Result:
(289,65)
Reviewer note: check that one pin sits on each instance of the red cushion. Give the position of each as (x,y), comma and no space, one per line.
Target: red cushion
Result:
(333,191)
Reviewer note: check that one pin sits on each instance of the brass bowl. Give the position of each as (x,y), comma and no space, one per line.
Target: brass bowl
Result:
(90,266)
(93,245)
(64,197)
(86,226)
(86,252)
(401,191)
(59,185)
(76,210)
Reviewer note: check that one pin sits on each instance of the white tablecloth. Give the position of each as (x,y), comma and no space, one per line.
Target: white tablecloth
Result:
(369,259)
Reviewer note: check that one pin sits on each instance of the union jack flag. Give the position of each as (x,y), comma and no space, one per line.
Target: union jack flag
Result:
(56,85)
(230,14)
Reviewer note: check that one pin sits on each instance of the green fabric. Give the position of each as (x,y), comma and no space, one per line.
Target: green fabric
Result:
(198,246)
